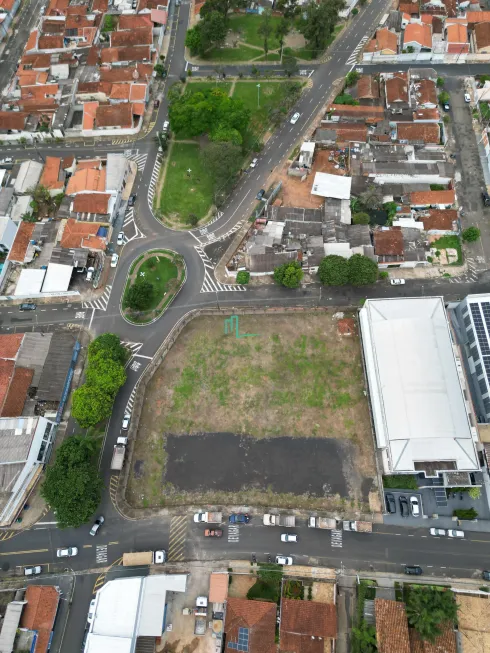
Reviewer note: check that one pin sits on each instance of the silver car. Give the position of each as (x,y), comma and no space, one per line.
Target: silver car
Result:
(284,560)
(97,524)
(455,533)
(67,552)
(438,532)
(33,571)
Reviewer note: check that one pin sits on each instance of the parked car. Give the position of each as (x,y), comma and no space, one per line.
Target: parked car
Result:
(253,163)
(485,575)
(390,503)
(415,506)
(413,570)
(120,238)
(7,160)
(90,273)
(289,537)
(397,282)
(455,533)
(67,552)
(294,118)
(33,571)
(97,524)
(467,97)
(160,557)
(165,127)
(156,103)
(27,307)
(132,200)
(91,611)
(486,198)
(114,260)
(125,422)
(446,106)
(402,500)
(260,194)
(438,532)
(213,532)
(239,518)
(284,560)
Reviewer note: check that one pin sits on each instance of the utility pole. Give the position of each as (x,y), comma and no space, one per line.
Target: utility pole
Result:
(258,96)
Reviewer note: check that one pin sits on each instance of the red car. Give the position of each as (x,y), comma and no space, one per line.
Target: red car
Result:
(213,532)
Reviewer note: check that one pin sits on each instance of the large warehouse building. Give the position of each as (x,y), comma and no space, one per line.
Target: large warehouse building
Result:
(422,419)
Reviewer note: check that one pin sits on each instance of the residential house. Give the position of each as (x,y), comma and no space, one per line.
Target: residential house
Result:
(439,222)
(39,614)
(307,626)
(434,198)
(28,176)
(8,229)
(418,133)
(85,235)
(384,42)
(53,176)
(480,38)
(417,37)
(400,246)
(250,624)
(19,250)
(368,89)
(425,93)
(8,9)
(396,90)
(457,37)
(391,626)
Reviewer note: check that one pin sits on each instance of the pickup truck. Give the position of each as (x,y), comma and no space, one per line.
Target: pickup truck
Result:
(287,521)
(208,517)
(119,452)
(322,522)
(138,558)
(358,526)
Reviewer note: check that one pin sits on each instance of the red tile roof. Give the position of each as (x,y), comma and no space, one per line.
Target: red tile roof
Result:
(100,6)
(439,219)
(367,87)
(305,625)
(258,617)
(7,5)
(444,643)
(128,21)
(388,242)
(352,133)
(141,72)
(482,35)
(391,627)
(457,33)
(17,392)
(89,113)
(116,115)
(418,33)
(131,37)
(50,176)
(91,203)
(15,120)
(386,40)
(426,114)
(130,53)
(432,197)
(48,42)
(82,234)
(418,132)
(40,612)
(138,92)
(397,88)
(10,344)
(23,236)
(6,374)
(370,114)
(426,91)
(474,17)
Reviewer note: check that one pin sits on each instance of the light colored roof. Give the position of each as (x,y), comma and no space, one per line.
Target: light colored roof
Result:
(153,602)
(10,625)
(28,176)
(335,186)
(57,277)
(418,33)
(416,395)
(30,283)
(218,587)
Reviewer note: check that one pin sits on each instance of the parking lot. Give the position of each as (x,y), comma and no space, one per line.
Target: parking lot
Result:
(409,510)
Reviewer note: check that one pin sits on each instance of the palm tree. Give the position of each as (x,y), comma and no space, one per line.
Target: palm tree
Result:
(429,609)
(365,636)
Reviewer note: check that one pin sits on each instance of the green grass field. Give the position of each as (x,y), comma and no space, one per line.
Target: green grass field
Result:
(259,102)
(241,53)
(247,26)
(158,270)
(182,195)
(198,87)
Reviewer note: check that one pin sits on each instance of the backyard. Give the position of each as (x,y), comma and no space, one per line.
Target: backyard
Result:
(283,404)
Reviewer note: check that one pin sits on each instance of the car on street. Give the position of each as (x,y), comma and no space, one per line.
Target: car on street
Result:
(90,273)
(165,127)
(114,260)
(455,533)
(27,307)
(7,160)
(390,503)
(213,532)
(467,97)
(415,506)
(253,163)
(294,118)
(284,560)
(413,570)
(33,571)
(402,500)
(120,238)
(125,422)
(160,557)
(486,198)
(260,194)
(67,552)
(132,200)
(485,575)
(91,612)
(156,103)
(446,106)
(397,282)
(438,532)
(239,518)
(289,537)
(97,524)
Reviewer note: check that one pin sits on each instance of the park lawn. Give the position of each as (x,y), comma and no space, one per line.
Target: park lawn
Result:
(247,25)
(158,270)
(271,96)
(308,55)
(200,87)
(271,56)
(182,195)
(241,53)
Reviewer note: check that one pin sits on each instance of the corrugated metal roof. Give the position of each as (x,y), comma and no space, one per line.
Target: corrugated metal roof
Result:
(56,367)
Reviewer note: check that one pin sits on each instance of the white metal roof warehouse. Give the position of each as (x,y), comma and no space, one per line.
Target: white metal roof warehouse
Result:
(419,411)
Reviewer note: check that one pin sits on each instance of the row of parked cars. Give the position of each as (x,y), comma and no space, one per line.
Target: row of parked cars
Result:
(410,506)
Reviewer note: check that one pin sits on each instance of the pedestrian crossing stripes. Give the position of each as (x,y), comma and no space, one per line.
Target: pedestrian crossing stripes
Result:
(101,303)
(353,57)
(133,347)
(130,221)
(212,237)
(233,533)
(129,217)
(155,173)
(113,483)
(204,257)
(129,405)
(121,141)
(7,535)
(139,159)
(176,542)
(101,554)
(210,284)
(336,538)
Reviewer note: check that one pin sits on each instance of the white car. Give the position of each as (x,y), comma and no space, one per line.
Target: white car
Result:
(160,557)
(397,282)
(415,506)
(114,260)
(120,238)
(90,273)
(91,612)
(289,537)
(467,97)
(8,159)
(438,532)
(165,127)
(126,420)
(253,163)
(32,571)
(68,552)
(295,118)
(284,560)
(97,524)
(454,533)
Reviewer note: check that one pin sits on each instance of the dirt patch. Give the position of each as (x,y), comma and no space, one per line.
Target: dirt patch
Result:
(294,40)
(240,586)
(291,390)
(323,592)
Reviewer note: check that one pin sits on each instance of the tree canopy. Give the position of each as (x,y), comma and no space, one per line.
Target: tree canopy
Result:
(319,22)
(72,486)
(361,218)
(429,609)
(362,270)
(471,234)
(222,159)
(105,374)
(110,345)
(334,271)
(139,295)
(90,405)
(289,274)
(372,197)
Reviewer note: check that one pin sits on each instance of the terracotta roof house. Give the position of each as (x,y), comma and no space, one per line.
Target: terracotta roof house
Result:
(126,54)
(418,132)
(444,643)
(368,114)
(128,21)
(481,38)
(89,111)
(130,37)
(23,236)
(457,39)
(426,115)
(82,234)
(10,344)
(384,42)
(433,198)
(100,6)
(218,587)
(40,613)
(251,624)
(142,72)
(97,203)
(391,626)
(440,221)
(367,88)
(17,392)
(306,626)
(418,36)
(474,17)
(52,175)
(388,245)
(12,121)
(114,116)
(396,88)
(425,93)
(86,180)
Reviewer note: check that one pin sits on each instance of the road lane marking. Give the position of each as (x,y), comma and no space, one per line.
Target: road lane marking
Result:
(87,546)
(18,553)
(113,542)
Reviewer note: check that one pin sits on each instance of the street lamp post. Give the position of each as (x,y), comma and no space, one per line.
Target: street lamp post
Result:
(258,96)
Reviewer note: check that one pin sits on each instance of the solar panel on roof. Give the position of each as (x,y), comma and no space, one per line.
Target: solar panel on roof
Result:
(479,327)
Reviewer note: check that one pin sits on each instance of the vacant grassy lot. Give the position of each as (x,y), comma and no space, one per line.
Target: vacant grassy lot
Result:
(183,194)
(296,380)
(247,25)
(198,87)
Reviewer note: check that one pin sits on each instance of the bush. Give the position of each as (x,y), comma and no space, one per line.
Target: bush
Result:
(243,277)
(400,482)
(469,513)
(444,97)
(139,295)
(361,218)
(471,234)
(352,78)
(383,274)
(474,492)
(345,98)
(437,187)
(440,82)
(289,274)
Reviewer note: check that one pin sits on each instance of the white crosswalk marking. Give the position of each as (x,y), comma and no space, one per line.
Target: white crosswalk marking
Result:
(130,223)
(140,159)
(134,347)
(101,554)
(129,405)
(353,57)
(204,257)
(233,533)
(210,284)
(101,303)
(336,540)
(80,315)
(155,173)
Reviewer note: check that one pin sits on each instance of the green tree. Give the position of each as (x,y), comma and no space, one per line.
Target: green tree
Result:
(110,345)
(289,274)
(471,234)
(90,405)
(72,486)
(42,204)
(440,82)
(429,609)
(222,160)
(193,40)
(105,374)
(361,218)
(226,134)
(362,270)
(159,70)
(282,30)
(334,270)
(443,97)
(140,295)
(243,277)
(265,29)
(319,22)
(372,197)
(289,8)
(365,638)
(352,78)
(28,217)
(290,65)
(213,30)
